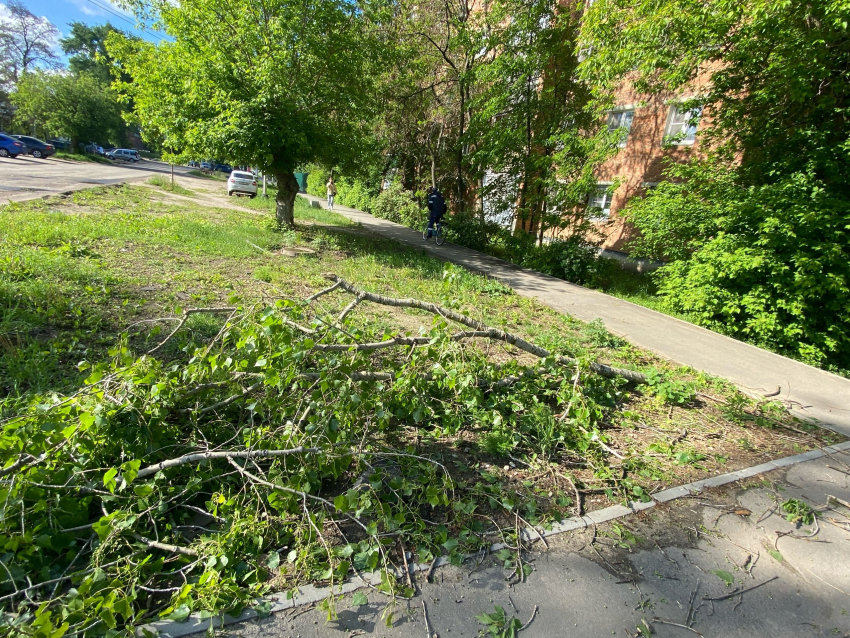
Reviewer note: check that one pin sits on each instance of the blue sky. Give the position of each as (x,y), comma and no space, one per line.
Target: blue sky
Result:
(61,12)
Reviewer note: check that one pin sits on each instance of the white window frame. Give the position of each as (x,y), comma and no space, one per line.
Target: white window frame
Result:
(603,213)
(672,138)
(619,112)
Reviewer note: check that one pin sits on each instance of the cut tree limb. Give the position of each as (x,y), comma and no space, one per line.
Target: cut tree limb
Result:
(208,456)
(480,329)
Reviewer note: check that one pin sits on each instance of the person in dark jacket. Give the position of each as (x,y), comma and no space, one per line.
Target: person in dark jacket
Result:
(436,209)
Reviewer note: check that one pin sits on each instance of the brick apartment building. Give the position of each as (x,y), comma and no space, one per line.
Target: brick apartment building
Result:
(654,129)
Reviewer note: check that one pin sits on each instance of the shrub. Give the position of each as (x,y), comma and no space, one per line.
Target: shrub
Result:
(575,259)
(399,206)
(776,272)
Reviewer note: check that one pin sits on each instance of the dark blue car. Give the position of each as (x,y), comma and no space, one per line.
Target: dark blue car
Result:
(10,147)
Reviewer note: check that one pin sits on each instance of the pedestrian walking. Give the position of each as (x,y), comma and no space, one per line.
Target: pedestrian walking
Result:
(331,192)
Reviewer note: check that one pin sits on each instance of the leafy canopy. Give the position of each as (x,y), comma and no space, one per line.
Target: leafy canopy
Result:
(79,107)
(275,84)
(761,233)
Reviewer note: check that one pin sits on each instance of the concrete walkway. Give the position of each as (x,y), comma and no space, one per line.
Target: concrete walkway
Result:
(812,393)
(726,564)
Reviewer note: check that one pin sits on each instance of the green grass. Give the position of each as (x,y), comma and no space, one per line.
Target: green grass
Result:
(82,157)
(303,210)
(638,288)
(221,177)
(165,183)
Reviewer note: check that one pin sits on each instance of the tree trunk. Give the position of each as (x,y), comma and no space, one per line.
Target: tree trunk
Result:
(287,189)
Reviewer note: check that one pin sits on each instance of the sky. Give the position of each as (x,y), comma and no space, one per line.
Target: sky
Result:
(61,12)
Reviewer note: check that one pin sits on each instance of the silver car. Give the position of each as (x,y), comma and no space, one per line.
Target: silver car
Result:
(242,183)
(123,154)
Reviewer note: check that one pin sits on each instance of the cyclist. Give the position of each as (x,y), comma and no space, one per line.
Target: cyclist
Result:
(436,209)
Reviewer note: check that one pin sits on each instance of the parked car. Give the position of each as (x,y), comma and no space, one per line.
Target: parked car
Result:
(35,146)
(10,147)
(125,154)
(194,164)
(224,168)
(242,183)
(94,149)
(207,166)
(60,145)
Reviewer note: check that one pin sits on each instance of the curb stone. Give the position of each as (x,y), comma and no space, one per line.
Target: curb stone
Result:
(310,595)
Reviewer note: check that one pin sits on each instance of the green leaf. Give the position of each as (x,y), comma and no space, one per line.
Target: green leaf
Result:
(130,469)
(180,614)
(109,479)
(359,599)
(725,576)
(273,561)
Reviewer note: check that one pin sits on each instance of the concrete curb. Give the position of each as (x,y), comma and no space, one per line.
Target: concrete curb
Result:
(309,594)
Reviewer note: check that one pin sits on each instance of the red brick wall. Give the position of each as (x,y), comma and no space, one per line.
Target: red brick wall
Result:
(642,160)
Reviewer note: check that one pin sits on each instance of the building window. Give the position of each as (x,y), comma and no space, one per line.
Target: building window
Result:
(599,203)
(682,125)
(621,121)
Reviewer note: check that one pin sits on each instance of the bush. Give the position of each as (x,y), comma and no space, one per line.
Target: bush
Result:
(776,271)
(353,193)
(399,206)
(350,191)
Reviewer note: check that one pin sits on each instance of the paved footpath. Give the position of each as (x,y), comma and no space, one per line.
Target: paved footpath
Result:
(813,393)
(686,553)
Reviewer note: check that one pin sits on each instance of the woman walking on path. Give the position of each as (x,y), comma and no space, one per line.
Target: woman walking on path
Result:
(331,193)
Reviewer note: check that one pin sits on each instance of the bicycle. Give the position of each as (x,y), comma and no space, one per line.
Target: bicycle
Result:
(440,233)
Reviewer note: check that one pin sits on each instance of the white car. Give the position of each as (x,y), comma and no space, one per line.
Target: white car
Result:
(123,154)
(242,183)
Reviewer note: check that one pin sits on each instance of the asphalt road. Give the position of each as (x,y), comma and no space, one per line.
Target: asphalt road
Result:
(27,177)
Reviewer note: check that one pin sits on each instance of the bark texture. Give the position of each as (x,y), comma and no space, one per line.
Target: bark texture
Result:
(287,189)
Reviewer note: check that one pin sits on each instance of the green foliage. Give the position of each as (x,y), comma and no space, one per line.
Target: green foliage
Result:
(400,206)
(296,90)
(798,511)
(79,107)
(86,47)
(759,232)
(498,624)
(668,390)
(575,259)
(533,128)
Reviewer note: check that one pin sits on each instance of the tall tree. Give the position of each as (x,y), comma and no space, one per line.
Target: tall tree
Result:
(534,130)
(276,84)
(79,107)
(25,42)
(86,46)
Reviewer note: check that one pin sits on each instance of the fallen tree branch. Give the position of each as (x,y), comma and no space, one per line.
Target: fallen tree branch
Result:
(207,456)
(174,549)
(480,330)
(184,319)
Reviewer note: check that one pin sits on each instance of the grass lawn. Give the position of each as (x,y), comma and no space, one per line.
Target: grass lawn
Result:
(76,270)
(166,184)
(82,157)
(448,459)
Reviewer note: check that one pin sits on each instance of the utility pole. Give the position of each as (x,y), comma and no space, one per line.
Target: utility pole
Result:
(264,185)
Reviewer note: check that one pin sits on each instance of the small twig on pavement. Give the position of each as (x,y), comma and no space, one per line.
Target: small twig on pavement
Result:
(689,619)
(675,624)
(530,620)
(425,615)
(739,591)
(431,569)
